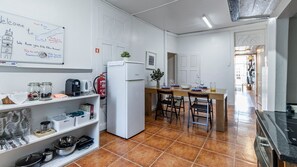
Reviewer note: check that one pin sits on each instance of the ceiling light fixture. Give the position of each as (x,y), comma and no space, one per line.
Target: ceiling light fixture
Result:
(205,19)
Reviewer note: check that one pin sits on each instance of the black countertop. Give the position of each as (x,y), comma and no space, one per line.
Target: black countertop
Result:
(284,150)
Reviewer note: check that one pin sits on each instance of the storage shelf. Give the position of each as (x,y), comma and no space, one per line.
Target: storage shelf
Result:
(34,139)
(63,160)
(6,107)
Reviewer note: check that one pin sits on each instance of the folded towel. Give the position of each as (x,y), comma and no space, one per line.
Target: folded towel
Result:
(58,96)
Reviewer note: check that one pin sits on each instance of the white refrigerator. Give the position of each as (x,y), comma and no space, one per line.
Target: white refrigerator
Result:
(125,98)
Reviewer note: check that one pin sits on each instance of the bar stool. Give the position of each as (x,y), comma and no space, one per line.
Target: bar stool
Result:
(165,97)
(200,103)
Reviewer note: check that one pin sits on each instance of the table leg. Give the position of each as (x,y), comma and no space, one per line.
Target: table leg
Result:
(226,109)
(220,115)
(148,103)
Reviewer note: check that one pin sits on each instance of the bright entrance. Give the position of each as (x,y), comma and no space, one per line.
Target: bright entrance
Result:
(248,62)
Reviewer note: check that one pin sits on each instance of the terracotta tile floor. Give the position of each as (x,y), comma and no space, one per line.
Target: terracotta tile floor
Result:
(163,144)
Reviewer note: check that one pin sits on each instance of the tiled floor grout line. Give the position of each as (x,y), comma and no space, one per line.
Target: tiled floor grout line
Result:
(166,149)
(121,156)
(138,143)
(115,161)
(77,164)
(201,148)
(230,156)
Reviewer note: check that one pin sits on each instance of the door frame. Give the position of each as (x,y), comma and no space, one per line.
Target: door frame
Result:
(175,67)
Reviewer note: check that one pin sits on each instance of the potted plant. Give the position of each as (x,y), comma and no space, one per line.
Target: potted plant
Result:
(125,55)
(156,76)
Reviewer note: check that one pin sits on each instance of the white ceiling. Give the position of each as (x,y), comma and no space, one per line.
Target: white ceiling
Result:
(180,16)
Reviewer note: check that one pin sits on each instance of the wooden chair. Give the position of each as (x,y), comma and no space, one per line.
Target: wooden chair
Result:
(200,103)
(166,98)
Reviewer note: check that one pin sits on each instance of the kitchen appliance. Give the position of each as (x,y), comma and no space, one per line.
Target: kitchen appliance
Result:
(65,145)
(125,98)
(72,87)
(32,160)
(266,156)
(85,86)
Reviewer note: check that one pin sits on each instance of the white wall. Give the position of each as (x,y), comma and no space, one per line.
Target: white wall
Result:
(216,57)
(277,58)
(282,37)
(146,37)
(77,48)
(171,40)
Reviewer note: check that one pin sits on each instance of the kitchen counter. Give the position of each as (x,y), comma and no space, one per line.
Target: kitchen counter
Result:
(284,150)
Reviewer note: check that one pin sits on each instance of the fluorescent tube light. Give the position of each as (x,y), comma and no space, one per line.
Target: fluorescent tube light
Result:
(204,18)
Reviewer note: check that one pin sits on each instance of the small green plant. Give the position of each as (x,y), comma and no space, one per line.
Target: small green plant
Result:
(157,75)
(125,54)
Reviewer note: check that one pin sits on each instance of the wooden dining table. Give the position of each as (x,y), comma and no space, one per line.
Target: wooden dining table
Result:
(220,97)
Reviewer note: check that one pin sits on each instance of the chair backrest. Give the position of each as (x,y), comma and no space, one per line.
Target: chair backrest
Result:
(164,93)
(197,96)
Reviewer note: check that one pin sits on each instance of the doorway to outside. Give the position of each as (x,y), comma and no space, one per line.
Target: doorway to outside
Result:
(171,68)
(248,63)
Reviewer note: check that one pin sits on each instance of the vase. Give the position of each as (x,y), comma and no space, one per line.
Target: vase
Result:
(125,58)
(158,84)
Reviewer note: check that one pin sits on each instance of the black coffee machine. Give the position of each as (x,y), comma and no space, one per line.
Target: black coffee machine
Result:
(72,87)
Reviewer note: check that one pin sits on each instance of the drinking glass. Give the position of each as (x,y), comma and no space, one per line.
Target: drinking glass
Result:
(201,83)
(213,87)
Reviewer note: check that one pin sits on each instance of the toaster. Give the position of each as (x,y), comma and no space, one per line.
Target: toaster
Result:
(72,87)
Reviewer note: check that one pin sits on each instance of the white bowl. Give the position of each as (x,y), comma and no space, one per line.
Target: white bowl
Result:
(185,86)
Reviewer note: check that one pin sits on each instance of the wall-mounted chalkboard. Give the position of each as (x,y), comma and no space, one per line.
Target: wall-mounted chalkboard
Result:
(29,41)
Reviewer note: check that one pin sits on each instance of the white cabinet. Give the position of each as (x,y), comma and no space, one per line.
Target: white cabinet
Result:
(40,110)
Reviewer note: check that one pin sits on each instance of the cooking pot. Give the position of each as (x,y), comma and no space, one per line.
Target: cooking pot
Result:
(32,160)
(65,145)
(48,155)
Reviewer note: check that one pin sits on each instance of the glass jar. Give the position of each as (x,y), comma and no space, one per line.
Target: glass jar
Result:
(45,91)
(33,91)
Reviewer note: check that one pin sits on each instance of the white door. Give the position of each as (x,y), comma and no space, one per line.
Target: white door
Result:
(188,68)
